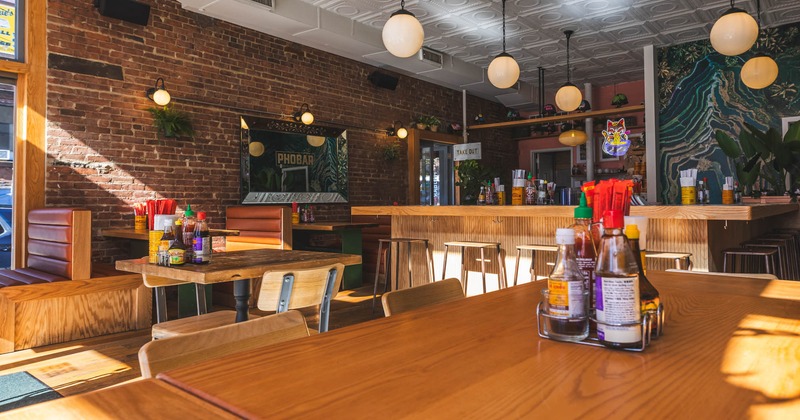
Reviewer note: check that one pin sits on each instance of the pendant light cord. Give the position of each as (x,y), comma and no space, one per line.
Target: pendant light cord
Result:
(403,4)
(758,15)
(504,25)
(569,75)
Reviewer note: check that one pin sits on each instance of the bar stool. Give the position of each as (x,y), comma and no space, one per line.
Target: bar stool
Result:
(482,246)
(789,242)
(394,244)
(781,269)
(532,249)
(747,260)
(678,257)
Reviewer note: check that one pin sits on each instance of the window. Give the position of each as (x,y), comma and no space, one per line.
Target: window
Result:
(11,30)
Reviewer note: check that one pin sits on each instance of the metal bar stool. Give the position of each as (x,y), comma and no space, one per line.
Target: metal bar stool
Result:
(787,240)
(532,249)
(393,246)
(736,260)
(781,269)
(482,246)
(681,258)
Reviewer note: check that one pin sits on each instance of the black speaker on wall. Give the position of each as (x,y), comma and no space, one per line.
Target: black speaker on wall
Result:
(383,80)
(128,10)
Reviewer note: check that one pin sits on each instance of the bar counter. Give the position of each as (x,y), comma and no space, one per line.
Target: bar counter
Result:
(703,231)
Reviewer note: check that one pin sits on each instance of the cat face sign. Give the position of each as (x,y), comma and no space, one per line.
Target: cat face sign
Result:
(615,138)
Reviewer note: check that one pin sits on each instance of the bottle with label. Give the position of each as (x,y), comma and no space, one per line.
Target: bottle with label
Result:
(166,241)
(188,222)
(648,294)
(482,196)
(617,287)
(202,241)
(701,191)
(706,192)
(567,292)
(489,194)
(737,193)
(585,250)
(530,191)
(177,252)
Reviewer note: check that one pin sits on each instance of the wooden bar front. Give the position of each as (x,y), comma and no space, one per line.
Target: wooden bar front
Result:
(702,231)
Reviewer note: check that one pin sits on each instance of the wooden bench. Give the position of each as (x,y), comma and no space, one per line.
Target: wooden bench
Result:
(58,296)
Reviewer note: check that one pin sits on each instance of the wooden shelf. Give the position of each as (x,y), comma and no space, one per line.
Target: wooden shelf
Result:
(565,117)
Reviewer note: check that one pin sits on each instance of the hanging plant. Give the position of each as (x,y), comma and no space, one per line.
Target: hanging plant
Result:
(171,122)
(391,151)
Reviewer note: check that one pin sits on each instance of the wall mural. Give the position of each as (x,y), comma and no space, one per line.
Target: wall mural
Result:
(701,92)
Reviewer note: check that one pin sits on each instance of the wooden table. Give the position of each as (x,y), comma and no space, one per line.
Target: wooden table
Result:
(143,235)
(731,349)
(344,237)
(238,267)
(147,399)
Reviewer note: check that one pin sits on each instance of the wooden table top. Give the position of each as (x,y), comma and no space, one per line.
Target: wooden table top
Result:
(146,399)
(731,349)
(238,265)
(711,212)
(143,235)
(331,226)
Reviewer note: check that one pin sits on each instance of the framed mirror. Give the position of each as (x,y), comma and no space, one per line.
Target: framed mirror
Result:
(285,162)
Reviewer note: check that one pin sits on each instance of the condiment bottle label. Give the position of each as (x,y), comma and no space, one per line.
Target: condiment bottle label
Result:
(566,298)
(177,256)
(618,303)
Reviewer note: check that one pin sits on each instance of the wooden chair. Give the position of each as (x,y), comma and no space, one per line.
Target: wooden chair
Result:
(405,300)
(313,287)
(187,349)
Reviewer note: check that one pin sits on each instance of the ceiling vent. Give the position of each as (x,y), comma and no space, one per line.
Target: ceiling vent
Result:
(433,57)
(270,4)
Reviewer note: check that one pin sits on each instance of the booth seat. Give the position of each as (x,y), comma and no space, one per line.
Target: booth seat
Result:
(57,296)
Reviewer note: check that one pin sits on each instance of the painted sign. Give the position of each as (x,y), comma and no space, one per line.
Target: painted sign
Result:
(467,151)
(8,38)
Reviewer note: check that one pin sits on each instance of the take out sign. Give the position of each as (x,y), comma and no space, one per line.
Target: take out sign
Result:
(467,151)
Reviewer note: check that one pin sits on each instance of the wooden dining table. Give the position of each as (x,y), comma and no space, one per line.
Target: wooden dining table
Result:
(238,267)
(730,349)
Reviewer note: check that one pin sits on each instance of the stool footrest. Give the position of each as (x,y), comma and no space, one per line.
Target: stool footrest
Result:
(473,244)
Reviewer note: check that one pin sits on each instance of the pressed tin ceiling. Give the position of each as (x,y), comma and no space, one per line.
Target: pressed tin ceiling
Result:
(607,46)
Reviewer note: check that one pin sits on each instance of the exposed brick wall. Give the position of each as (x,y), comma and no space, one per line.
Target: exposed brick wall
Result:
(104,153)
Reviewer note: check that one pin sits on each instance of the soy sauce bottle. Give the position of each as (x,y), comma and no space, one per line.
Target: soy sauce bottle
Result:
(566,292)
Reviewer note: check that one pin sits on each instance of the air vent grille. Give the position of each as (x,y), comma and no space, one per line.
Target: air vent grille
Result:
(431,56)
(268,3)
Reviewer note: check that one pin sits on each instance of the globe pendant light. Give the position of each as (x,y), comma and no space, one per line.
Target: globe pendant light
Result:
(760,70)
(734,32)
(568,97)
(572,138)
(402,33)
(503,70)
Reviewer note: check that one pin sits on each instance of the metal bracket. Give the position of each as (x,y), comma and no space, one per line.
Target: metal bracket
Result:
(286,292)
(325,307)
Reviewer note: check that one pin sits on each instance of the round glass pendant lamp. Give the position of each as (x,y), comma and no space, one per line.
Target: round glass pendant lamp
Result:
(256,148)
(503,71)
(734,32)
(403,34)
(568,96)
(315,141)
(161,97)
(759,71)
(572,138)
(402,133)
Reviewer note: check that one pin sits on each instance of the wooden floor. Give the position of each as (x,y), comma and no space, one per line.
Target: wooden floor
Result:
(87,365)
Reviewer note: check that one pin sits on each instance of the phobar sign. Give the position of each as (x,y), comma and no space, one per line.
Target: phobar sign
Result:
(467,151)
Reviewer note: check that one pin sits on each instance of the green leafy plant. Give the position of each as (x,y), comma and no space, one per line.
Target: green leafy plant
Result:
(431,121)
(764,154)
(171,122)
(471,175)
(391,151)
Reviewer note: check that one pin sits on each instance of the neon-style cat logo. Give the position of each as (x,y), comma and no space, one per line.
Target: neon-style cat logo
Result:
(616,142)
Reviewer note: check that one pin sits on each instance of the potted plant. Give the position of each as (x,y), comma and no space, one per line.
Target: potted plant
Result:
(434,123)
(471,175)
(766,155)
(422,122)
(391,151)
(171,122)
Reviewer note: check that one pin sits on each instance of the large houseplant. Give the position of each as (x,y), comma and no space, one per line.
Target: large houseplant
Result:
(766,155)
(171,122)
(471,175)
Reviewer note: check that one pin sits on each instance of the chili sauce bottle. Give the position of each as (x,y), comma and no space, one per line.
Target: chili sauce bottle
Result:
(648,294)
(566,292)
(585,250)
(201,241)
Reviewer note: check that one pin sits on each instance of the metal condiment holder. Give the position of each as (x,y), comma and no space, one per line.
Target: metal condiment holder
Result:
(648,318)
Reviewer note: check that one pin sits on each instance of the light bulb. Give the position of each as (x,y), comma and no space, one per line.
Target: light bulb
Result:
(503,71)
(568,97)
(734,32)
(403,34)
(307,118)
(402,133)
(759,72)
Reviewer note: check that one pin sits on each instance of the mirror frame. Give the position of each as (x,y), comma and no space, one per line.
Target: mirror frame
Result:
(250,123)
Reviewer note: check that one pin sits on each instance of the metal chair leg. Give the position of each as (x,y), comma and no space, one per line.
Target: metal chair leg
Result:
(429,256)
(377,274)
(516,267)
(161,304)
(501,266)
(483,270)
(444,263)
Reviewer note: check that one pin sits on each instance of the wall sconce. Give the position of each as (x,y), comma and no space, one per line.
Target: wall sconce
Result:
(304,115)
(400,131)
(159,94)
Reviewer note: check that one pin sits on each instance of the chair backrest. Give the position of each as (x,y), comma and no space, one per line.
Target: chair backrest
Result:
(60,242)
(405,300)
(259,227)
(749,275)
(187,349)
(302,288)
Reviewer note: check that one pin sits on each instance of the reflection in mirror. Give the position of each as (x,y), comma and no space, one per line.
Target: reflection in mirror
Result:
(284,162)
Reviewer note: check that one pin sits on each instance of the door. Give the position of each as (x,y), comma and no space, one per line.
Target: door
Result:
(436,176)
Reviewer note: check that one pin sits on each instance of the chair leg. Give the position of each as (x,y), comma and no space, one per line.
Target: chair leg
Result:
(464,274)
(516,267)
(444,263)
(200,290)
(429,256)
(533,265)
(483,270)
(501,266)
(377,273)
(396,248)
(161,304)
(408,260)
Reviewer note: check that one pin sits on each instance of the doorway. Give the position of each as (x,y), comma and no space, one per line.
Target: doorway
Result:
(436,186)
(553,165)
